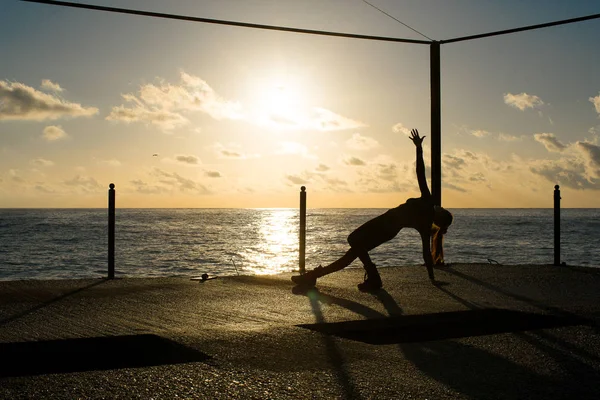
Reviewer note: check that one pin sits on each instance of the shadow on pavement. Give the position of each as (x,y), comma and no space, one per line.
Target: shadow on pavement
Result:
(49,302)
(92,354)
(440,326)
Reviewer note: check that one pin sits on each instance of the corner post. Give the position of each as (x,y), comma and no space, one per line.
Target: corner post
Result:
(111,231)
(302,247)
(436,123)
(556,225)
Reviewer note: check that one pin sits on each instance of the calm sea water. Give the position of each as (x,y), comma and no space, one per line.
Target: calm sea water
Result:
(72,243)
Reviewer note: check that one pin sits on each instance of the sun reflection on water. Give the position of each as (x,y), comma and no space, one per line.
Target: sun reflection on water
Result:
(276,249)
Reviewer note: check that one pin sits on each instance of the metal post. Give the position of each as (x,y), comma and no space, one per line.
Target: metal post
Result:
(556,225)
(302,229)
(436,124)
(111,231)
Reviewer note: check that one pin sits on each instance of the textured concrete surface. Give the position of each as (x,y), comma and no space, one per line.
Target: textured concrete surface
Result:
(483,332)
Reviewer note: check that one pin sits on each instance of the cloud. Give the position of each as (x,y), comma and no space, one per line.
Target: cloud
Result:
(146,188)
(53,133)
(591,155)
(162,104)
(477,177)
(322,168)
(359,142)
(317,179)
(480,133)
(566,172)
(354,161)
(296,180)
(504,137)
(15,176)
(231,151)
(454,187)
(292,148)
(596,102)
(399,128)
(213,174)
(384,175)
(111,163)
(550,141)
(39,187)
(165,120)
(326,120)
(23,103)
(174,180)
(50,86)
(85,184)
(451,161)
(41,162)
(522,101)
(191,159)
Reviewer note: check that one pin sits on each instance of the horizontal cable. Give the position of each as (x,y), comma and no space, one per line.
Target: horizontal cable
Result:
(222,22)
(525,28)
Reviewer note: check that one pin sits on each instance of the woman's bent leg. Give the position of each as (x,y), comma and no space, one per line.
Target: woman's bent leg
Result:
(372,279)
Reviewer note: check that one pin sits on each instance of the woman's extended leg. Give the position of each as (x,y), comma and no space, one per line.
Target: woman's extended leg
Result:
(310,278)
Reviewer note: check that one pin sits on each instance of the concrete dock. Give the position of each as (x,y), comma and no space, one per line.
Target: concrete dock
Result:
(482,332)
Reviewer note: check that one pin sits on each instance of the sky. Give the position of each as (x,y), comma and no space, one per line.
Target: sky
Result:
(183,114)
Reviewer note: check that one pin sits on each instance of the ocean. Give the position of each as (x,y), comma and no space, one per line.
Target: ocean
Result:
(72,243)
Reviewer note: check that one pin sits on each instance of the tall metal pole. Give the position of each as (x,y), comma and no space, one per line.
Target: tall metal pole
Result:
(111,231)
(436,124)
(556,225)
(302,248)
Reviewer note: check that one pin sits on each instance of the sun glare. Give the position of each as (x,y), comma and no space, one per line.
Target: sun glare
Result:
(277,249)
(281,105)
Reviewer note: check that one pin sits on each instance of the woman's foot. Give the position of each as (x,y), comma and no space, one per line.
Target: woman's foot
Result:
(308,279)
(371,284)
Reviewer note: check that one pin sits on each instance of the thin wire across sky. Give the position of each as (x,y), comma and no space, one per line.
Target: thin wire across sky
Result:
(310,31)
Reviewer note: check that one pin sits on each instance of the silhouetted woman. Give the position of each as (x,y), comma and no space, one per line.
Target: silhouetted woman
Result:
(421,214)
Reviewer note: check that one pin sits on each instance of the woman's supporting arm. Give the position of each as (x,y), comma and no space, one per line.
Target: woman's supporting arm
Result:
(425,238)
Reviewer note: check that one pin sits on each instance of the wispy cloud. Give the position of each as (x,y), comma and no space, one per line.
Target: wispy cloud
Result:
(188,159)
(293,148)
(42,162)
(85,184)
(591,154)
(213,174)
(174,180)
(52,133)
(399,128)
(21,102)
(354,161)
(164,119)
(480,133)
(111,163)
(50,86)
(163,103)
(550,142)
(360,142)
(523,101)
(505,137)
(296,179)
(322,168)
(231,151)
(326,120)
(143,187)
(596,102)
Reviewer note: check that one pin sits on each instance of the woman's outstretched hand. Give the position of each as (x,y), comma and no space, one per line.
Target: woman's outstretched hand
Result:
(414,136)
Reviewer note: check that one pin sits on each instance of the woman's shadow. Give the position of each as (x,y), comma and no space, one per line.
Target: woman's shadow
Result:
(466,368)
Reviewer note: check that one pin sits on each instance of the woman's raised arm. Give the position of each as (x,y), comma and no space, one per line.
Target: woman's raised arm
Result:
(418,141)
